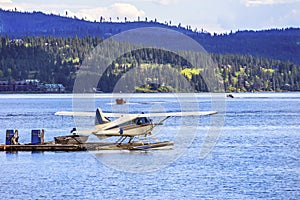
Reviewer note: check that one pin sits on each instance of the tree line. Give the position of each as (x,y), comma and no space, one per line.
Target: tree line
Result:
(282,44)
(59,60)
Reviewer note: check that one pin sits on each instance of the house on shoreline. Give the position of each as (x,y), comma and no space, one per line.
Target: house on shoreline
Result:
(31,86)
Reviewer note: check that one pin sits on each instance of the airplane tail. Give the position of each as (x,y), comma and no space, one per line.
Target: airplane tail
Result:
(100,118)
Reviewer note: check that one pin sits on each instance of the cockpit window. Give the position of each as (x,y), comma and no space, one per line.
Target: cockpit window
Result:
(141,120)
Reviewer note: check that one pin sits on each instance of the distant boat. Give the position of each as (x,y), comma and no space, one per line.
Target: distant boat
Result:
(120,101)
(229,96)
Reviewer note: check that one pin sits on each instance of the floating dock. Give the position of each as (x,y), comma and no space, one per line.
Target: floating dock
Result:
(42,147)
(73,143)
(86,146)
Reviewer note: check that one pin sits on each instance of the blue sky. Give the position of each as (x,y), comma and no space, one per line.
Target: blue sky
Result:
(218,16)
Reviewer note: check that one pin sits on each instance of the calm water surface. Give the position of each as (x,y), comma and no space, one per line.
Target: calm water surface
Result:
(257,154)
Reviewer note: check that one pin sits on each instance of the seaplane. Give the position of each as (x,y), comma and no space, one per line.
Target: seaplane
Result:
(128,127)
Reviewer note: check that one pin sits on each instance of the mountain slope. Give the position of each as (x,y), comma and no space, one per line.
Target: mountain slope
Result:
(281,44)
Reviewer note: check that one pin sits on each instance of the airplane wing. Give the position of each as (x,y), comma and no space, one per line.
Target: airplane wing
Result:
(178,114)
(167,114)
(124,118)
(91,114)
(133,116)
(79,114)
(106,128)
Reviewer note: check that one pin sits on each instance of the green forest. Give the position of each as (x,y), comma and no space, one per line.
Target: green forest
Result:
(60,60)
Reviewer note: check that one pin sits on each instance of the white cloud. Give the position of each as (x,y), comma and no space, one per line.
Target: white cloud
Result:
(161,2)
(9,5)
(120,10)
(291,18)
(267,2)
(5,1)
(209,27)
(166,2)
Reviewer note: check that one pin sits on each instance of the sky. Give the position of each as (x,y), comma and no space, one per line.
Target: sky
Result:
(214,16)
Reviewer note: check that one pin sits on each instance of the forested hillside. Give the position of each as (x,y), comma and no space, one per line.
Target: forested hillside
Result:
(283,44)
(58,59)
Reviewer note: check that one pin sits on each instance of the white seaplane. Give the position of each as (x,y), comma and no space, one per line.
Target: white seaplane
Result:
(130,126)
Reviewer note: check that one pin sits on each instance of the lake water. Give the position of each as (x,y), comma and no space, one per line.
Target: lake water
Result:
(254,155)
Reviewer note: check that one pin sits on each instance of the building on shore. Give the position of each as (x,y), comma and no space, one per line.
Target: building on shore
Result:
(54,88)
(31,86)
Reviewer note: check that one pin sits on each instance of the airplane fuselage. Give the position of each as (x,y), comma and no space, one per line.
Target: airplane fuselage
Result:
(136,127)
(129,130)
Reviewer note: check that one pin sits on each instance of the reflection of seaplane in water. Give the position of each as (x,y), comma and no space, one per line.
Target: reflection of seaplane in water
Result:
(130,126)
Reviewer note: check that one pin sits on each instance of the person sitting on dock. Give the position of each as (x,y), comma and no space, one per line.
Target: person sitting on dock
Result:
(15,138)
(42,136)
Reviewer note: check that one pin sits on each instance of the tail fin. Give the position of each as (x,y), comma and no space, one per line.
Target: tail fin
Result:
(100,118)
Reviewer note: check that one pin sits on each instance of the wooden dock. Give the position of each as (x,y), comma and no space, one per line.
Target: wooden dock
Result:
(42,147)
(85,146)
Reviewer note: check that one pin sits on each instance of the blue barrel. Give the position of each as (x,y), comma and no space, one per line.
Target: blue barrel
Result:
(36,137)
(9,135)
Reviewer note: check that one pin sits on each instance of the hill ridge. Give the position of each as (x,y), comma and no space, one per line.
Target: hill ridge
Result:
(282,44)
